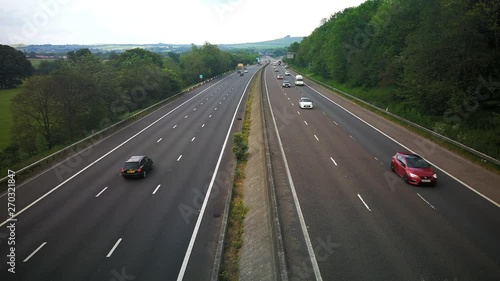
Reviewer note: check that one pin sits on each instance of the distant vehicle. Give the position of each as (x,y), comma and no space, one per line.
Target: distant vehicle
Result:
(276,70)
(299,80)
(279,76)
(246,70)
(287,73)
(239,67)
(137,166)
(239,71)
(305,103)
(413,169)
(241,74)
(286,84)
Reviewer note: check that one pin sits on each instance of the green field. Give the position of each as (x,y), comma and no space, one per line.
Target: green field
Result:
(6,116)
(36,62)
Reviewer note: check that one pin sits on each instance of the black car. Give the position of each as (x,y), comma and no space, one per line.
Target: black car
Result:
(137,166)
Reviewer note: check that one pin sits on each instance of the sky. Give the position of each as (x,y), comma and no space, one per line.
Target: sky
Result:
(156,21)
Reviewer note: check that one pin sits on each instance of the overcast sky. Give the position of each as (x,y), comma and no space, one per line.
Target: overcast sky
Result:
(157,21)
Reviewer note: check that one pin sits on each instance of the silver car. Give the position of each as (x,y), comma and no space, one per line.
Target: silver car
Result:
(305,103)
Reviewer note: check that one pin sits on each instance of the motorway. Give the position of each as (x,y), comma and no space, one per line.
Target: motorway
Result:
(80,220)
(346,216)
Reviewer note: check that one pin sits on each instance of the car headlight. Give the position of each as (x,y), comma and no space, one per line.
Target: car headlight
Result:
(435,176)
(413,175)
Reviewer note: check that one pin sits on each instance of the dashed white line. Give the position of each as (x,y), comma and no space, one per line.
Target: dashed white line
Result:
(306,122)
(351,137)
(194,109)
(335,123)
(216,108)
(298,112)
(324,113)
(156,188)
(203,125)
(179,158)
(114,248)
(316,137)
(174,126)
(193,138)
(101,192)
(293,104)
(34,252)
(209,115)
(220,102)
(425,200)
(185,117)
(360,198)
(159,140)
(333,161)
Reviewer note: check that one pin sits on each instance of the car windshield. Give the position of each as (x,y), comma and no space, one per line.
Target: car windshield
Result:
(131,165)
(305,100)
(416,162)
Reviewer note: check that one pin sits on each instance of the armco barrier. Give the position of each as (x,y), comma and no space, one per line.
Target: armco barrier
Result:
(96,137)
(454,142)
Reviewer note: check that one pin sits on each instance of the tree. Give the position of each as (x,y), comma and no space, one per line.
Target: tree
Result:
(14,67)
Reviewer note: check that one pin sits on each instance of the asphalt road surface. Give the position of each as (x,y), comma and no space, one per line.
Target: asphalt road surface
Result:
(80,220)
(346,216)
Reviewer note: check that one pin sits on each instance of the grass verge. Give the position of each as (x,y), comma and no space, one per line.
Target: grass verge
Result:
(6,121)
(237,210)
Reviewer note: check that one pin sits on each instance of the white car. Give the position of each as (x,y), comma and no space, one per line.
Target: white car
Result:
(305,103)
(287,73)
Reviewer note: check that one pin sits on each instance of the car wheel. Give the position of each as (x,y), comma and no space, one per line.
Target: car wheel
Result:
(144,174)
(405,177)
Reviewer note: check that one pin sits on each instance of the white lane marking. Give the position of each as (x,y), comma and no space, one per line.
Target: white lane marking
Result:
(220,102)
(209,115)
(201,103)
(335,123)
(159,140)
(288,98)
(306,122)
(193,138)
(175,126)
(185,117)
(285,94)
(207,98)
(179,158)
(298,113)
(303,225)
(102,157)
(194,109)
(293,104)
(324,113)
(360,198)
(404,146)
(351,137)
(34,252)
(333,161)
(203,125)
(209,190)
(114,248)
(101,192)
(316,137)
(156,188)
(425,200)
(216,108)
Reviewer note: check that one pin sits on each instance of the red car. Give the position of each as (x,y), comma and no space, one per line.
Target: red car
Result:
(413,169)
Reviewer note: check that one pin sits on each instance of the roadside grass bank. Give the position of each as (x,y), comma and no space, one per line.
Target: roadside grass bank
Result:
(6,120)
(384,99)
(237,210)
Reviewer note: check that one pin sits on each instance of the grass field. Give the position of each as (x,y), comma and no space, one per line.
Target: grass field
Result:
(36,62)
(5,115)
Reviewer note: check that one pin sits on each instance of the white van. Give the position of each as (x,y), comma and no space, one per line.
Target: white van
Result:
(299,80)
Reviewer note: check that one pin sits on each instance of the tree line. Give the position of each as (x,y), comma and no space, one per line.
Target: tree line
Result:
(440,60)
(67,99)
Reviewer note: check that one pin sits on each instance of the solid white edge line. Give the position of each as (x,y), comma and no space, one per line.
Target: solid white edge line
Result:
(182,271)
(156,189)
(387,136)
(425,200)
(360,198)
(303,225)
(101,192)
(179,158)
(34,252)
(333,161)
(106,154)
(114,248)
